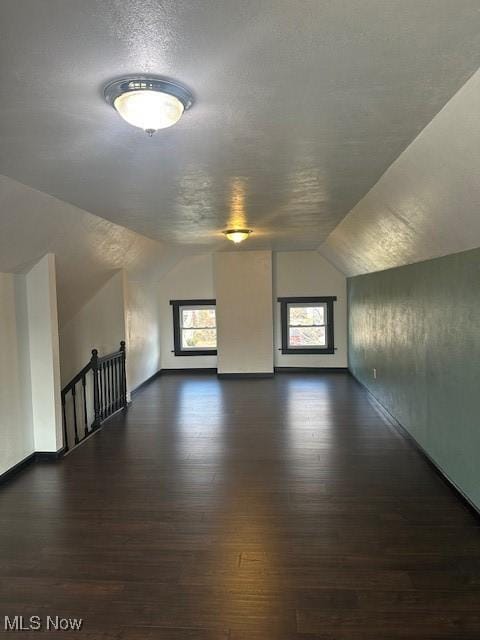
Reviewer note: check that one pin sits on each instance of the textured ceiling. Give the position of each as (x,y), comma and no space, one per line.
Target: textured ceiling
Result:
(428,202)
(300,106)
(87,249)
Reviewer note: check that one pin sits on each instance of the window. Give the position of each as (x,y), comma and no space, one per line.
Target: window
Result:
(307,325)
(194,327)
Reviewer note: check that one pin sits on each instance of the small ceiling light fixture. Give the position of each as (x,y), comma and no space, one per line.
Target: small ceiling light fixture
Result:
(237,235)
(148,102)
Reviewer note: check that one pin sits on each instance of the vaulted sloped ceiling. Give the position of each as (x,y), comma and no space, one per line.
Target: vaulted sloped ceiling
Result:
(87,248)
(300,107)
(428,202)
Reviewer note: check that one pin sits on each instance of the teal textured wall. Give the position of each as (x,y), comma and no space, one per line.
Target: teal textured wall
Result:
(419,326)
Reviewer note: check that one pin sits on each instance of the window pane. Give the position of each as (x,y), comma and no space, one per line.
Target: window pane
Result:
(307,337)
(199,339)
(307,315)
(198,318)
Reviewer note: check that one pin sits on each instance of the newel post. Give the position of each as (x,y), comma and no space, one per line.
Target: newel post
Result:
(124,375)
(96,398)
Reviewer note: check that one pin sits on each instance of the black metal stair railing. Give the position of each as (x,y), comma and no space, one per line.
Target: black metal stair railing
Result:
(97,392)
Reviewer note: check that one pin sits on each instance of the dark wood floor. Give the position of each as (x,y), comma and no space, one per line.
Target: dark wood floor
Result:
(242,510)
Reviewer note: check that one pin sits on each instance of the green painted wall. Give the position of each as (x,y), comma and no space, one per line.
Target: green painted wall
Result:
(419,326)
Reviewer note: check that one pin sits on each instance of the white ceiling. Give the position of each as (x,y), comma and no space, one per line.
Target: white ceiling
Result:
(300,106)
(428,202)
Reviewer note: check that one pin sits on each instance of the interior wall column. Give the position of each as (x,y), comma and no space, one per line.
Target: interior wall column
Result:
(44,355)
(243,291)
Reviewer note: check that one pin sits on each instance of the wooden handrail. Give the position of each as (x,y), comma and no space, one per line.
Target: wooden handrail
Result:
(115,354)
(77,378)
(109,392)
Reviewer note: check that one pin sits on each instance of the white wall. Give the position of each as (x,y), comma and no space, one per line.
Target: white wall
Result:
(143,332)
(243,290)
(192,278)
(295,273)
(44,355)
(307,273)
(121,309)
(16,426)
(88,249)
(100,324)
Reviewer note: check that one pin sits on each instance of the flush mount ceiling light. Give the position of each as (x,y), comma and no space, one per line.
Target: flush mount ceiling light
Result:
(148,102)
(237,235)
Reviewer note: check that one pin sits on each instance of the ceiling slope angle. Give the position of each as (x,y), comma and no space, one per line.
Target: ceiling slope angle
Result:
(88,249)
(299,107)
(427,204)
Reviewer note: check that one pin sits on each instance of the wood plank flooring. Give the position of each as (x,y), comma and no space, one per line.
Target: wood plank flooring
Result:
(279,509)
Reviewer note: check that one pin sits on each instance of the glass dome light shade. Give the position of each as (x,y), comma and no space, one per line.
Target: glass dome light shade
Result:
(149,110)
(148,102)
(237,235)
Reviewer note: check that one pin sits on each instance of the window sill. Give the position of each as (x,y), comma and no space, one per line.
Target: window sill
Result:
(300,351)
(196,352)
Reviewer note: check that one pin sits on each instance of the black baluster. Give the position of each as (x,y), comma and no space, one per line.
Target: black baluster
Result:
(114,397)
(120,375)
(109,382)
(102,398)
(105,401)
(110,389)
(65,433)
(74,394)
(124,375)
(85,421)
(96,388)
(114,368)
(114,386)
(112,375)
(117,383)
